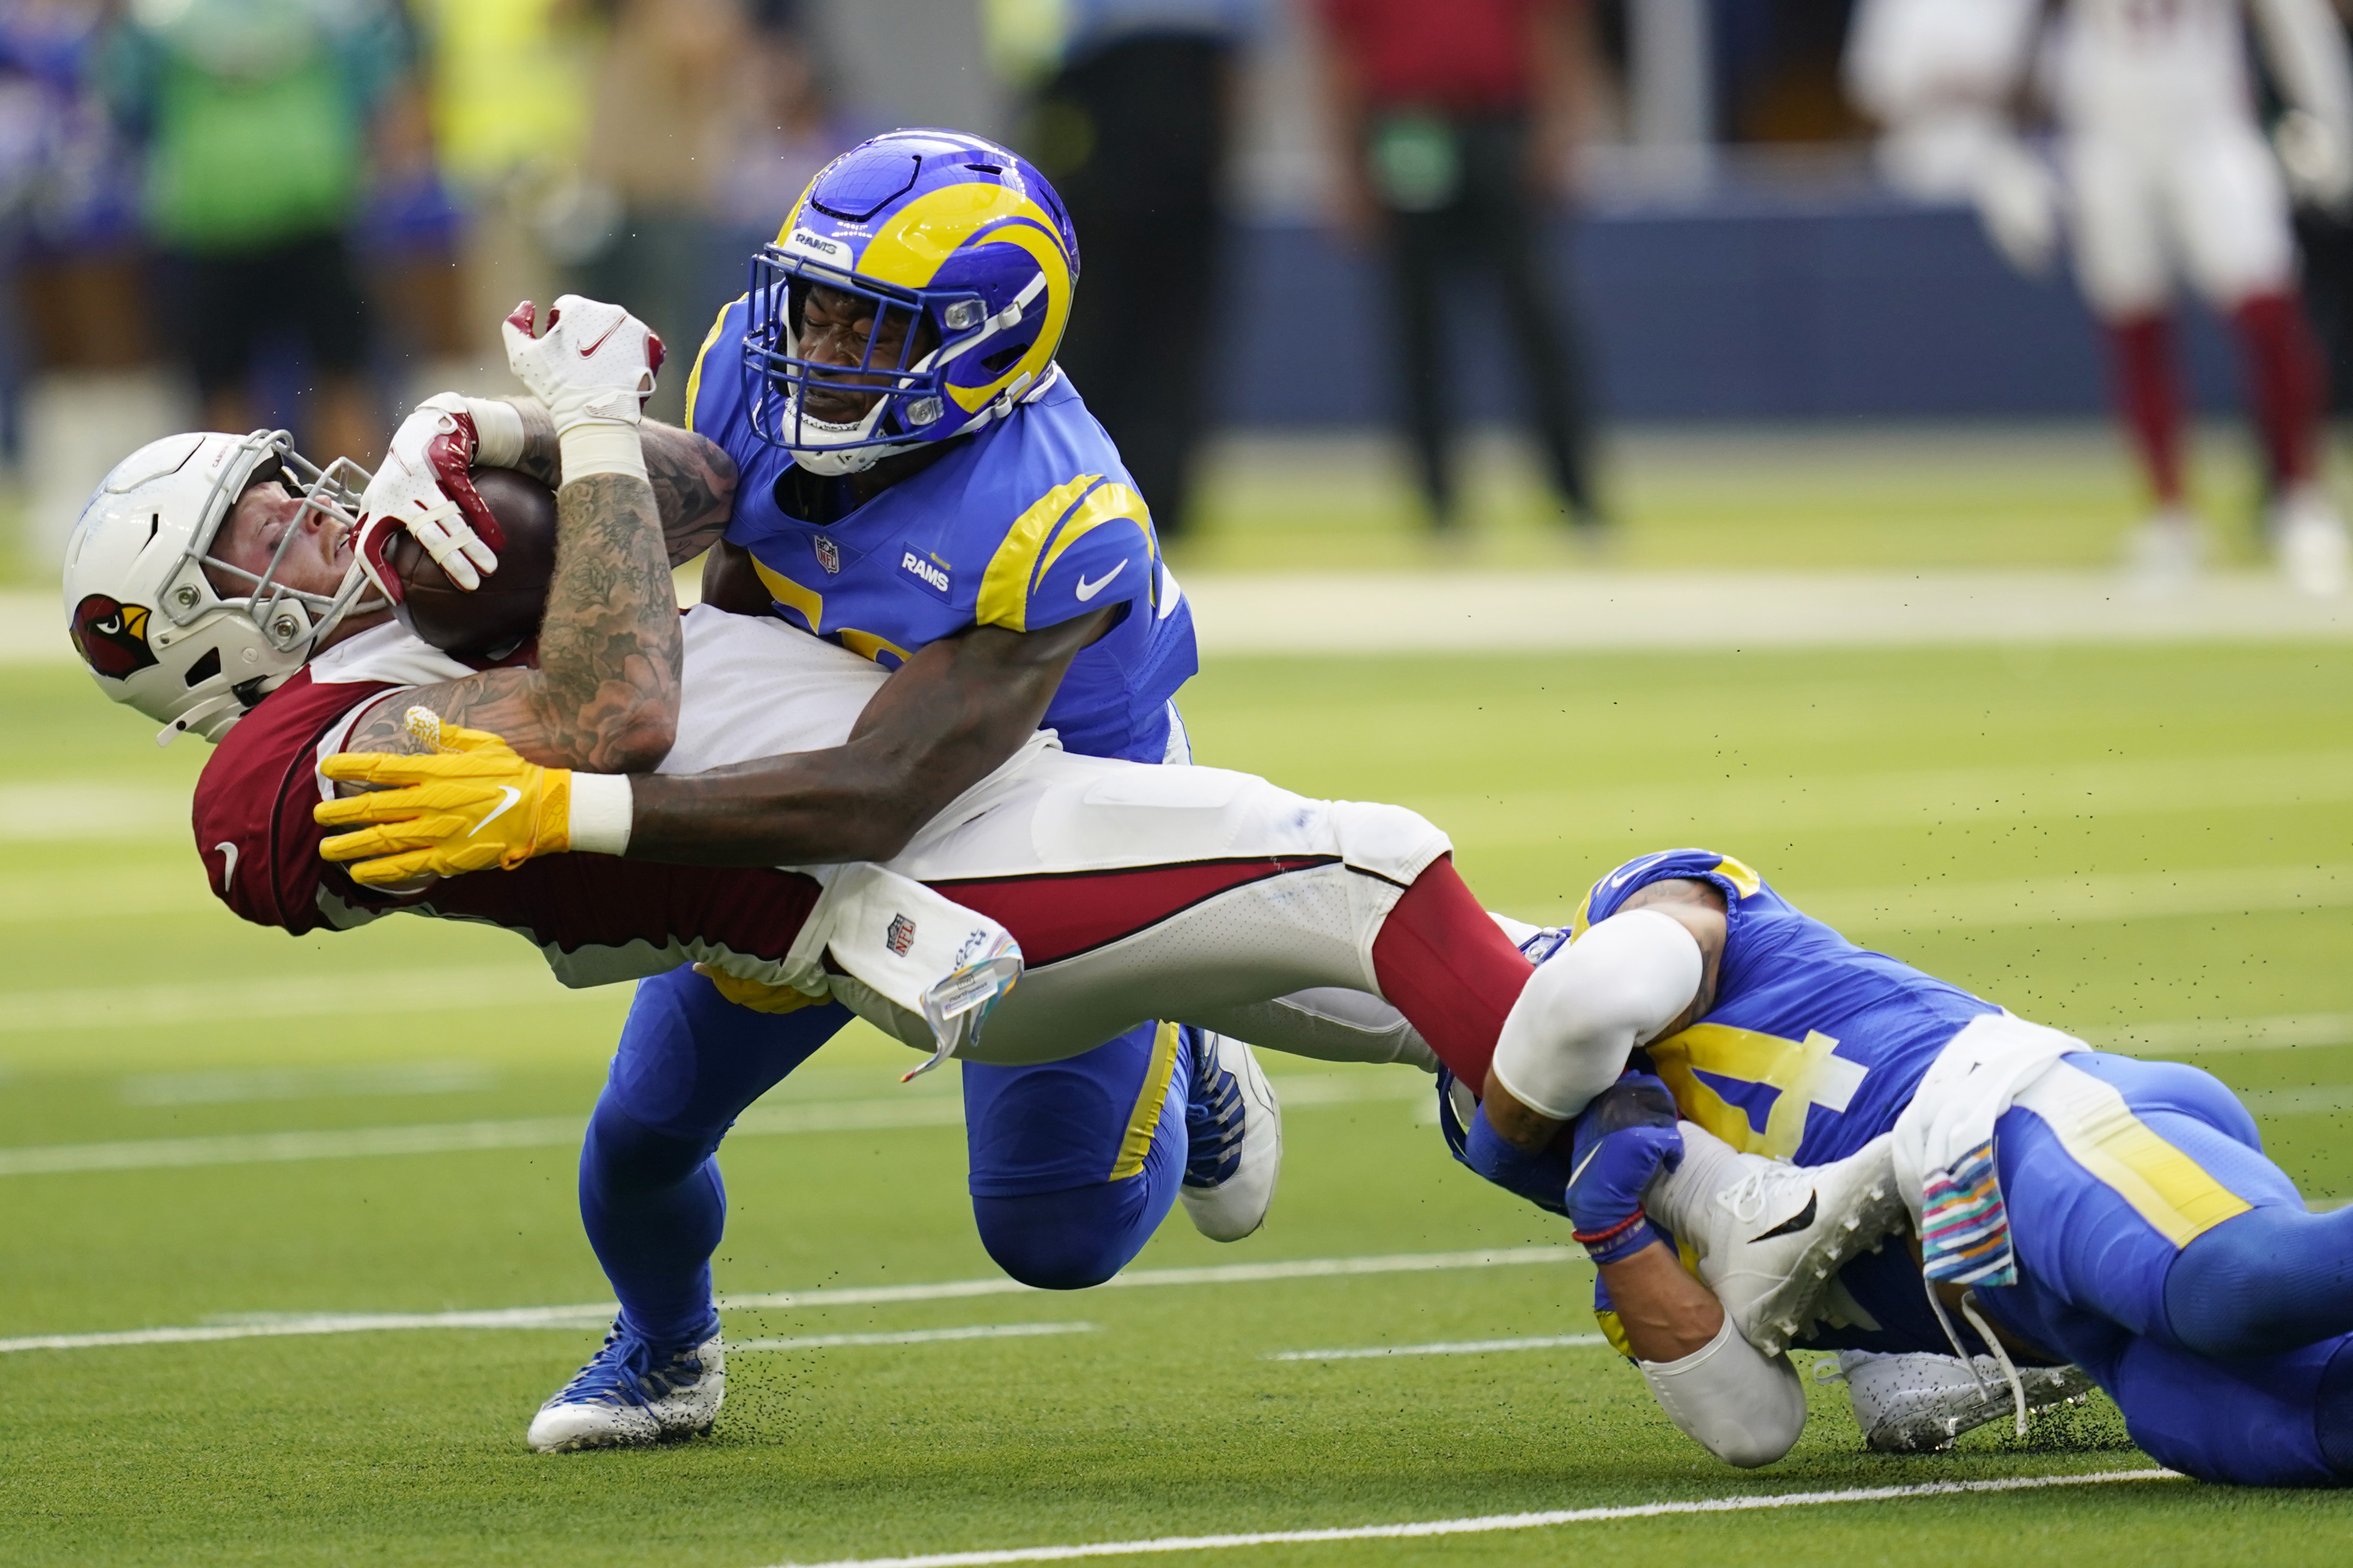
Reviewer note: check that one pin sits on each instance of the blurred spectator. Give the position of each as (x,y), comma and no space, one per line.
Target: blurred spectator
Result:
(793,127)
(256,116)
(1452,125)
(671,98)
(1131,122)
(2324,241)
(83,385)
(508,88)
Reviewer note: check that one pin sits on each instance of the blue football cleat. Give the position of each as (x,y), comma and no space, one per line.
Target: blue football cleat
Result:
(631,1393)
(1234,1139)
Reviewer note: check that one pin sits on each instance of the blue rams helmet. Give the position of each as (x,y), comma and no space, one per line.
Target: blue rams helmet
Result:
(963,237)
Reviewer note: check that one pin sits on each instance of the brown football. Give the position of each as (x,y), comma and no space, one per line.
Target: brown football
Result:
(492,620)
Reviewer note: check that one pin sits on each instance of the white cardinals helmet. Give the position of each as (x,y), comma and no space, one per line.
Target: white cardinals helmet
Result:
(144,615)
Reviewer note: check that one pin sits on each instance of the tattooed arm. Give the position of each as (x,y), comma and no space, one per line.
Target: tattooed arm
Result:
(605,696)
(693,479)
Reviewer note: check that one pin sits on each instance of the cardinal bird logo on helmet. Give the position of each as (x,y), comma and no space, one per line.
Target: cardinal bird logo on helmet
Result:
(111,636)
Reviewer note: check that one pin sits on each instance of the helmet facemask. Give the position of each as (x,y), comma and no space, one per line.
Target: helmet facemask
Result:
(909,390)
(292,621)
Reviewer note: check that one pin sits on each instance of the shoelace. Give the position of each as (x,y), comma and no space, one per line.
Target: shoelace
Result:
(624,1370)
(1746,1197)
(2000,1356)
(1213,1121)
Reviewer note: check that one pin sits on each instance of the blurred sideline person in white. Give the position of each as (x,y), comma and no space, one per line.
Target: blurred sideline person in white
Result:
(2164,175)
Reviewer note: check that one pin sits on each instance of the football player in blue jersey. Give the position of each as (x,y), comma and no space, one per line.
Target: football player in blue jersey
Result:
(916,482)
(2070,1208)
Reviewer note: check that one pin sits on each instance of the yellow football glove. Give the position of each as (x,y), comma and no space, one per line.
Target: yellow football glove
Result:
(472,802)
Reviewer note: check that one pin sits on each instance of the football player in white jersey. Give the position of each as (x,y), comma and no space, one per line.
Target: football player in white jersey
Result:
(214,584)
(2164,176)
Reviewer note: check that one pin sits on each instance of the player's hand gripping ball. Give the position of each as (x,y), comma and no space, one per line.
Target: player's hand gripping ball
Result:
(469,804)
(490,620)
(421,492)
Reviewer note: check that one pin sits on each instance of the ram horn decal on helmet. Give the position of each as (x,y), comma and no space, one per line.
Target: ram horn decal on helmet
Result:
(964,239)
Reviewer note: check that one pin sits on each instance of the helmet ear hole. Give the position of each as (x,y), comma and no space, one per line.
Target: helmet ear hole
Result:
(1006,358)
(204,668)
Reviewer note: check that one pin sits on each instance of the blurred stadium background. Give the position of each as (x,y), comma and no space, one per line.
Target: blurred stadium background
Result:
(1857,611)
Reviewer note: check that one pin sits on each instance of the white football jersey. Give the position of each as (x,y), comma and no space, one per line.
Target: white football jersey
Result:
(2150,66)
(753,688)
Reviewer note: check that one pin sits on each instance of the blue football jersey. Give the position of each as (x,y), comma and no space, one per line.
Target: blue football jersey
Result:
(1031,523)
(1814,1045)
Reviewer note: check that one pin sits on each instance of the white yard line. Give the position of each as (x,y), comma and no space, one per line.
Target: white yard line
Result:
(591,1312)
(913,1337)
(893,1113)
(1482,1524)
(1320,612)
(458,986)
(1444,1347)
(1325,612)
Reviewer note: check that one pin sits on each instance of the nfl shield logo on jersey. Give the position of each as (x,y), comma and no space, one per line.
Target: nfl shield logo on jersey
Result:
(829,555)
(901,936)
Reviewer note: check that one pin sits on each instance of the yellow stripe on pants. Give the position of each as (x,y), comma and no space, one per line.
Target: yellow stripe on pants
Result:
(1146,1117)
(2099,1131)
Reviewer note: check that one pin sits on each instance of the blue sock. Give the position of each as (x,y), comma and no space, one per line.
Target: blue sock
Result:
(2263,1283)
(654,1208)
(650,1197)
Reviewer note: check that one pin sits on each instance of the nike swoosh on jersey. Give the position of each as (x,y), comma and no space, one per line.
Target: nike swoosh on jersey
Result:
(228,863)
(1089,590)
(1636,868)
(512,794)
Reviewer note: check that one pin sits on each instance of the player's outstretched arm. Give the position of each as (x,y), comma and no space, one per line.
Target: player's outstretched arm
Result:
(953,713)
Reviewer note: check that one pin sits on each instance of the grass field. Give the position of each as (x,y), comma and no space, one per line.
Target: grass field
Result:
(1842,495)
(2149,845)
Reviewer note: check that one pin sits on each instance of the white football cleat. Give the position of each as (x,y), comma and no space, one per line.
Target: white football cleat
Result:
(2167,552)
(1919,1404)
(1771,1236)
(631,1394)
(1234,1131)
(2310,537)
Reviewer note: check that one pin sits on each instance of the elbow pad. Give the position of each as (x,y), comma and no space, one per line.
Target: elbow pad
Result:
(1730,1399)
(1586,1009)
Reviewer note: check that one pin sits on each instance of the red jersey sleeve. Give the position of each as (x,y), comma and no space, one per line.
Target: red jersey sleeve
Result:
(253,801)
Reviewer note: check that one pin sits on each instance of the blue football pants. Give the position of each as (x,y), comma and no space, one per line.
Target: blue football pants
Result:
(2161,1251)
(1073,1163)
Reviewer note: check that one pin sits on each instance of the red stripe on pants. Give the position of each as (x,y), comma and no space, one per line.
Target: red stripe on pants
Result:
(1448,967)
(1064,915)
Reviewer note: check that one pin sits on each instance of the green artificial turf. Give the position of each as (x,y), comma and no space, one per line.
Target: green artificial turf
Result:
(1840,495)
(1945,803)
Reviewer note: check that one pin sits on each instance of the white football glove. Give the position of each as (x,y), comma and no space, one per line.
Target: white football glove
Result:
(423,486)
(594,368)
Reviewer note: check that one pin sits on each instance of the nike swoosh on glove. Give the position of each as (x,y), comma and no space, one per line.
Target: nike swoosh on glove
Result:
(1627,1136)
(472,803)
(593,363)
(424,485)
